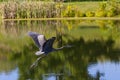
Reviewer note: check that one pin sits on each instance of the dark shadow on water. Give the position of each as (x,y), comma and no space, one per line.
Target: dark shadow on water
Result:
(71,62)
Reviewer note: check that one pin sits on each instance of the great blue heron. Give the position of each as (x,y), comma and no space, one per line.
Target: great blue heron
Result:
(45,46)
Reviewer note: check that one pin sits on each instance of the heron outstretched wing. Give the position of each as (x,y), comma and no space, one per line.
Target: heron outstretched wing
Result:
(41,40)
(48,45)
(38,39)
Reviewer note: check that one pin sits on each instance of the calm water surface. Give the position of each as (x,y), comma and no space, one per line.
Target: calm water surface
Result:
(94,55)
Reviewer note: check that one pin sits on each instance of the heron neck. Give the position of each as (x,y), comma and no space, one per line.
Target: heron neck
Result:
(59,48)
(67,46)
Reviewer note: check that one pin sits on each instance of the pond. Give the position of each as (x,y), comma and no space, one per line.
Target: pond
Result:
(94,55)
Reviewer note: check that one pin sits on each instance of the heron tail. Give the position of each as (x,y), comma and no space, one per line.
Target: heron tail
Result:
(39,53)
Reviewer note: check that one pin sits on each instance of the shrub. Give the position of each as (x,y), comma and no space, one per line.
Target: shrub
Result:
(89,14)
(69,11)
(110,13)
(79,13)
(100,13)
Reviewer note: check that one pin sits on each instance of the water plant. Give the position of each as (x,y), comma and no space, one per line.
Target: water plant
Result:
(31,9)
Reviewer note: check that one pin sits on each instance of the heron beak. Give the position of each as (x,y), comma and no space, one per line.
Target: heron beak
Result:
(54,37)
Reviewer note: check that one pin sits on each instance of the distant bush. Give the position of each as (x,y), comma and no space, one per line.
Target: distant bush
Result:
(101,12)
(110,13)
(69,11)
(72,11)
(80,14)
(109,9)
(90,14)
(114,7)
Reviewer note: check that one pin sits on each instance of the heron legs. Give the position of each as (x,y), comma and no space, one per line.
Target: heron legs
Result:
(36,62)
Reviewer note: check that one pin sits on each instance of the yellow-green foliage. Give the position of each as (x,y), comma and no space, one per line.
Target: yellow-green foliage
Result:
(79,14)
(52,10)
(89,14)
(69,11)
(100,13)
(111,12)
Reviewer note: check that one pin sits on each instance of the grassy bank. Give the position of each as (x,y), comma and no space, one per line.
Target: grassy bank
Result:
(86,6)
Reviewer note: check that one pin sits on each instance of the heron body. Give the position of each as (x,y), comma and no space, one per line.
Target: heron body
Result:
(45,46)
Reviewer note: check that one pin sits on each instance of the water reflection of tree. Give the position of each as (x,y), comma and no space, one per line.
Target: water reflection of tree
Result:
(72,62)
(86,53)
(18,27)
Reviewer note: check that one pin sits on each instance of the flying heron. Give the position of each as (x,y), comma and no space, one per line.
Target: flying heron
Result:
(45,46)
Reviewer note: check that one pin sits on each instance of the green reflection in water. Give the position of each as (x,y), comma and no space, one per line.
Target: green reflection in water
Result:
(92,41)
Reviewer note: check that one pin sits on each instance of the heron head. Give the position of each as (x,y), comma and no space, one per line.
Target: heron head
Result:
(54,38)
(32,34)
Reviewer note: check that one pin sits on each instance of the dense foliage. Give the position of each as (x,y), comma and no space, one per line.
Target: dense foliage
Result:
(83,0)
(53,0)
(56,10)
